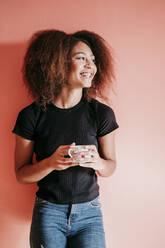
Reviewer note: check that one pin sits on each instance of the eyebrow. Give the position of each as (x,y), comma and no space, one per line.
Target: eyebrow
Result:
(82,53)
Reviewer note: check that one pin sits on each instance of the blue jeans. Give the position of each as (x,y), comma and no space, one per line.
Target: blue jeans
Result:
(67,226)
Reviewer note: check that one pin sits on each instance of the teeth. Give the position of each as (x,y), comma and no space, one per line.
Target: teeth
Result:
(88,74)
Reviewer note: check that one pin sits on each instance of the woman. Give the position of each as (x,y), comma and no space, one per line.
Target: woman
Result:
(64,73)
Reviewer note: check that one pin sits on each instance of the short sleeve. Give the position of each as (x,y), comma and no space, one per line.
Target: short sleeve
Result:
(25,123)
(106,120)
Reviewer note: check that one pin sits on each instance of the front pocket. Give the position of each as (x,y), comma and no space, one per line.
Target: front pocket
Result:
(95,203)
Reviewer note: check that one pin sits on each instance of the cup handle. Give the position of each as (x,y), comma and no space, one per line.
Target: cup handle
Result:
(69,153)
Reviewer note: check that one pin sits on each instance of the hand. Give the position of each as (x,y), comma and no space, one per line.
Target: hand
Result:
(95,162)
(60,160)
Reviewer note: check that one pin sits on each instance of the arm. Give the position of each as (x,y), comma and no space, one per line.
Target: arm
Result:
(27,172)
(104,162)
(107,159)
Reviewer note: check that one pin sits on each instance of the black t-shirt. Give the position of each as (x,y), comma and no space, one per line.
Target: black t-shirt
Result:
(49,129)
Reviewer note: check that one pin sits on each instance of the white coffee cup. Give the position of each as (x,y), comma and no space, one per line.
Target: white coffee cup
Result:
(79,152)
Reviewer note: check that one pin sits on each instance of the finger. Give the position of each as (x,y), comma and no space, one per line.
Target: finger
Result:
(68,146)
(64,167)
(68,165)
(64,149)
(89,161)
(68,160)
(63,155)
(91,147)
(73,144)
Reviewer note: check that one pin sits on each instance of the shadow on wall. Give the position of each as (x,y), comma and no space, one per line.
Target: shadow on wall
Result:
(16,201)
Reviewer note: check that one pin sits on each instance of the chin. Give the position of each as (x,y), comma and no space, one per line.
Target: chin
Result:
(87,84)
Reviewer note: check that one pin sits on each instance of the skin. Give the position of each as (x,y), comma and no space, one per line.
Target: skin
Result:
(82,72)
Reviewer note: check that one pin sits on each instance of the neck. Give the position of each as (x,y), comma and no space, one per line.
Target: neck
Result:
(68,99)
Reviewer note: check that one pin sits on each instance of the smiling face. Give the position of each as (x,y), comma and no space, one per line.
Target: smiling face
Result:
(83,68)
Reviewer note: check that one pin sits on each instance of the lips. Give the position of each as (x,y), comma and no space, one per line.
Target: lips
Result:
(86,74)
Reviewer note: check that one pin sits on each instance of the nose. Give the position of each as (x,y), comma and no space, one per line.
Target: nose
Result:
(88,63)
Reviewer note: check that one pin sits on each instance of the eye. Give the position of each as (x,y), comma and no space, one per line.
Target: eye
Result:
(80,58)
(94,61)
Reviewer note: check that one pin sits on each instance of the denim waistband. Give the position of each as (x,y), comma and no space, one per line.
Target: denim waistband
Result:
(71,207)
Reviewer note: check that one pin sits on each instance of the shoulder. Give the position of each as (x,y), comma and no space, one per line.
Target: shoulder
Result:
(29,114)
(26,121)
(106,120)
(101,108)
(30,111)
(31,108)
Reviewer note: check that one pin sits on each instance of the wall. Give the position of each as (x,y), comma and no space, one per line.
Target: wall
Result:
(133,199)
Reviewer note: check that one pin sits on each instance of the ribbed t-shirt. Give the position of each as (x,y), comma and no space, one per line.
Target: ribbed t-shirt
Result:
(83,124)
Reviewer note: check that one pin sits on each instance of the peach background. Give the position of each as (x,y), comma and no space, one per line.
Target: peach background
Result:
(134,197)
